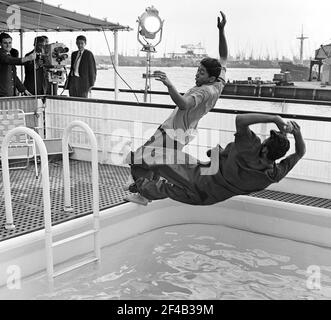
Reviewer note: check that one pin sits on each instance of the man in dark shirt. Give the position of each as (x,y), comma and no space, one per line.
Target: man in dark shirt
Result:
(246,165)
(37,67)
(9,81)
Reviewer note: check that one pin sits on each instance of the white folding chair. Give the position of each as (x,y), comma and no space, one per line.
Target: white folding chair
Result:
(10,119)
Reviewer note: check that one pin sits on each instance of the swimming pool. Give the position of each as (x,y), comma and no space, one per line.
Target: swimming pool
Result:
(194,262)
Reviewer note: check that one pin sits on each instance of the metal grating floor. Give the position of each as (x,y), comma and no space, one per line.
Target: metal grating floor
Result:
(293,198)
(28,201)
(27,195)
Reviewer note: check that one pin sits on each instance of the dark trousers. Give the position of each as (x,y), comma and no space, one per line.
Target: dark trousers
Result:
(75,88)
(158,139)
(177,183)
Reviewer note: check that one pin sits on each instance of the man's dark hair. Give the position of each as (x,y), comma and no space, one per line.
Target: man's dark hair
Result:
(14,53)
(81,38)
(277,145)
(213,67)
(4,35)
(38,40)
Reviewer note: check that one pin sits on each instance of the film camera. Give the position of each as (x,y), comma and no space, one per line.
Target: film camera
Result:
(55,57)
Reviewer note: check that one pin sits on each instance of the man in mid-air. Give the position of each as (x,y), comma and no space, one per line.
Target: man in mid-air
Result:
(246,165)
(180,127)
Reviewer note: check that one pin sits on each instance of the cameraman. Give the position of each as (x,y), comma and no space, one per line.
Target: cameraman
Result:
(41,72)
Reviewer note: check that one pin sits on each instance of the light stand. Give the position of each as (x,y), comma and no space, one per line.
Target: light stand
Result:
(149,24)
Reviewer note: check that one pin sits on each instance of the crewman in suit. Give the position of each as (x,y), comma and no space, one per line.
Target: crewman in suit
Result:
(9,82)
(83,70)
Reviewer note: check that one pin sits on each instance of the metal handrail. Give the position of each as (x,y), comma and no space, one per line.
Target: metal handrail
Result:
(45,184)
(46,191)
(66,170)
(167,106)
(227,96)
(95,190)
(215,110)
(5,173)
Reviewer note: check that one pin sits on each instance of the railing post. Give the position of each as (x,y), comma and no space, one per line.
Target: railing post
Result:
(66,170)
(95,177)
(116,63)
(45,184)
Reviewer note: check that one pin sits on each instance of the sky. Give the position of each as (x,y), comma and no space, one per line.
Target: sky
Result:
(258,27)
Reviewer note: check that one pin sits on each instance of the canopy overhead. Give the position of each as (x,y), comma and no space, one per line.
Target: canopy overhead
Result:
(39,16)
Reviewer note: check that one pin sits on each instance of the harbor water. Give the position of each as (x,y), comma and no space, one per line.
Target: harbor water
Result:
(183,79)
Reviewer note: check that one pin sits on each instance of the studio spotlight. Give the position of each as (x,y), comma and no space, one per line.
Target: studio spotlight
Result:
(149,25)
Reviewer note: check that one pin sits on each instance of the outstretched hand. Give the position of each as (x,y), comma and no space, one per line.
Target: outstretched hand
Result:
(281,124)
(161,76)
(221,23)
(295,128)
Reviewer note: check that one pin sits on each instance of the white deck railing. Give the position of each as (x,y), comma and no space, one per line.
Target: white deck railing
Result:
(114,123)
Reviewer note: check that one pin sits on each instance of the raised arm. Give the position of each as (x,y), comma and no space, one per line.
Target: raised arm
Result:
(300,146)
(243,121)
(6,59)
(180,101)
(286,165)
(222,44)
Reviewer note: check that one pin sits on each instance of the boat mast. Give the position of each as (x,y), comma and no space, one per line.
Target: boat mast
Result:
(302,39)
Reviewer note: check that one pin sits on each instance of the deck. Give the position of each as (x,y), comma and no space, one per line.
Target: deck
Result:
(112,121)
(27,195)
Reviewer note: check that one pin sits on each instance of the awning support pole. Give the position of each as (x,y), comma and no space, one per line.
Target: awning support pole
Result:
(116,63)
(21,52)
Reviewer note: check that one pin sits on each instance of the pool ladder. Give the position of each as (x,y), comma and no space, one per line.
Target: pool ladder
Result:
(49,245)
(68,207)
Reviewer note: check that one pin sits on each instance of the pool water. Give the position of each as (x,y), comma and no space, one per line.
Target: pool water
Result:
(194,262)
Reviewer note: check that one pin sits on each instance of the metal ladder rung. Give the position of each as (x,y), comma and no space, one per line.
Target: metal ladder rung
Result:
(74,266)
(73,238)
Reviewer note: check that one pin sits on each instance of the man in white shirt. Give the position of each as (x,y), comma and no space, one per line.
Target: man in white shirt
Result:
(179,129)
(83,70)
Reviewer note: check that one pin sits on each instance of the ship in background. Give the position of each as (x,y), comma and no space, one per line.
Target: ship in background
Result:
(299,70)
(252,62)
(190,58)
